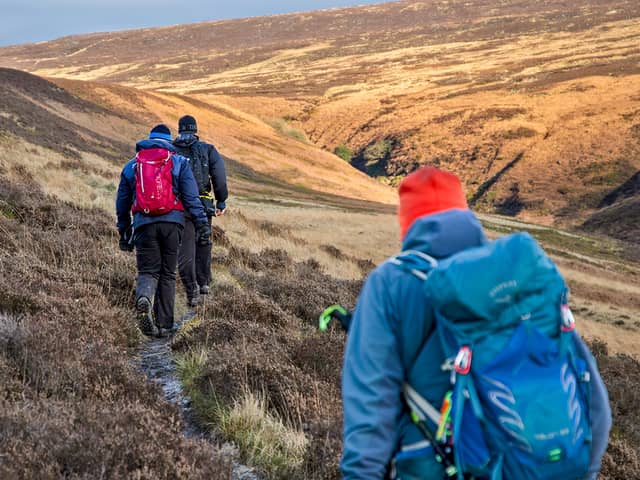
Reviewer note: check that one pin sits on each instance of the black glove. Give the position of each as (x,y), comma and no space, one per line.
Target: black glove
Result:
(203,234)
(126,239)
(207,203)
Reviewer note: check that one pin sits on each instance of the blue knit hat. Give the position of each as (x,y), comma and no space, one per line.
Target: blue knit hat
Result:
(160,131)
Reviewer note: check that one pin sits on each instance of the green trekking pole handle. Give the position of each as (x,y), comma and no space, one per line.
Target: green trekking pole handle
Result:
(338,312)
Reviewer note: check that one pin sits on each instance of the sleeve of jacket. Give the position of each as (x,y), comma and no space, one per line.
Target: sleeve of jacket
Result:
(218,175)
(124,199)
(188,192)
(600,411)
(371,385)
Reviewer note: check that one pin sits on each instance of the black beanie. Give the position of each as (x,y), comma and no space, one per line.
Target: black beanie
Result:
(187,124)
(160,131)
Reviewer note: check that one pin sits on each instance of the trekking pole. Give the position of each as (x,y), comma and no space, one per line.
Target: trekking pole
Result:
(442,452)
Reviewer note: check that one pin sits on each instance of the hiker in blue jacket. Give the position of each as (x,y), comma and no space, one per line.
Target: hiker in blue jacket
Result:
(391,341)
(157,237)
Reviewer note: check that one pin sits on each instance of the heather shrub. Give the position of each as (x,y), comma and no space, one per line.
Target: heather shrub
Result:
(73,404)
(621,374)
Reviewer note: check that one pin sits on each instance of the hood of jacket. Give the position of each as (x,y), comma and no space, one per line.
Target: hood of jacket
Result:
(443,234)
(185,140)
(154,143)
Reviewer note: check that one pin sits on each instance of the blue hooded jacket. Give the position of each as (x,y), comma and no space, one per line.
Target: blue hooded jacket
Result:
(184,186)
(390,342)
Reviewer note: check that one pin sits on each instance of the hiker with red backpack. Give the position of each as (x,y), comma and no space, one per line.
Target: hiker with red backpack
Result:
(462,360)
(158,187)
(208,169)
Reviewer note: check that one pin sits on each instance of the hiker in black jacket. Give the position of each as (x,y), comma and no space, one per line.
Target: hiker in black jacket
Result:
(194,261)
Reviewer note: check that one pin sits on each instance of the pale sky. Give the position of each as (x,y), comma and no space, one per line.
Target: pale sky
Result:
(25,21)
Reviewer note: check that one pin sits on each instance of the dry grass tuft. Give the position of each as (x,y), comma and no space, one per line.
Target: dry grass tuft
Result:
(265,440)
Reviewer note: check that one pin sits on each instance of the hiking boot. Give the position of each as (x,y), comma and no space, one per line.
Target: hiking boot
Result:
(145,320)
(193,301)
(168,331)
(204,290)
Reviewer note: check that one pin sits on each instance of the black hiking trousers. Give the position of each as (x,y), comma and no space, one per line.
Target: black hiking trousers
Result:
(194,261)
(157,247)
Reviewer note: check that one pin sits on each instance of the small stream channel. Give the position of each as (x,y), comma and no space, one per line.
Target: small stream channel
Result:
(156,361)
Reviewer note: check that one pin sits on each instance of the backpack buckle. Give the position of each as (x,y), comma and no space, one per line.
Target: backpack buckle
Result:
(568,320)
(447,365)
(462,363)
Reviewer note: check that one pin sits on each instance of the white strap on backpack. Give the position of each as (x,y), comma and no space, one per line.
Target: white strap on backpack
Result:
(422,275)
(419,405)
(416,402)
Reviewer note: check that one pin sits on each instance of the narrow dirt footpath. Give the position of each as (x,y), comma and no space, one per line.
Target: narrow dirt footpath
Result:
(156,361)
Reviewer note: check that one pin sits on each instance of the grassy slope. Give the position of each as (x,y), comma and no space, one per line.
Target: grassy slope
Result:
(253,339)
(95,126)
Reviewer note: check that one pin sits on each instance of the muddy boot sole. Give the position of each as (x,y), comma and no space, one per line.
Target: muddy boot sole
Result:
(145,321)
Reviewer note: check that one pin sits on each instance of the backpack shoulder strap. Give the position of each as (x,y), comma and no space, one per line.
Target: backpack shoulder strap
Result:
(198,151)
(420,265)
(415,262)
(200,166)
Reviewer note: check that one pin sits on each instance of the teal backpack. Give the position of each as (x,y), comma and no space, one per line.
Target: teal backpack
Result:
(519,403)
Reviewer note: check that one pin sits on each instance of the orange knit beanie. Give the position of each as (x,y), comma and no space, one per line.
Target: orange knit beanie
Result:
(427,191)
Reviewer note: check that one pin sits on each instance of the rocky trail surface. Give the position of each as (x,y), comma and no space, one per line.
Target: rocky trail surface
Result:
(156,361)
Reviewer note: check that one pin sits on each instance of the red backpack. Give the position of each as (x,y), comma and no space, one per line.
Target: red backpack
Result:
(154,183)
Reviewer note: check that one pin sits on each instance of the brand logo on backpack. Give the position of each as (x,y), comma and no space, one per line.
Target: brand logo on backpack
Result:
(510,420)
(570,387)
(154,183)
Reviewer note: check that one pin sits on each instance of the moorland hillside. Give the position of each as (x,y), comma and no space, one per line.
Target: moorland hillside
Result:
(81,133)
(533,104)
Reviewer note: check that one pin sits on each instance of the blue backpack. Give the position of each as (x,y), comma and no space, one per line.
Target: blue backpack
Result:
(519,407)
